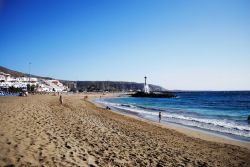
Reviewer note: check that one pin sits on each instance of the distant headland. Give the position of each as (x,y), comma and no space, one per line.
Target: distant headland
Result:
(74,86)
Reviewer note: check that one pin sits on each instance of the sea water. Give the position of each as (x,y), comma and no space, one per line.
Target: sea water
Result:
(224,113)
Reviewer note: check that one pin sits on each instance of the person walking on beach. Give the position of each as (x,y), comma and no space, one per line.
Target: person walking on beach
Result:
(159,117)
(61,99)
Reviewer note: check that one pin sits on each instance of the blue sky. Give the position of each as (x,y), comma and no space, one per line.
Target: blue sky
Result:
(178,44)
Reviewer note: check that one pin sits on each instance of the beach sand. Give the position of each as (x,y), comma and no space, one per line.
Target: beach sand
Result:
(38,131)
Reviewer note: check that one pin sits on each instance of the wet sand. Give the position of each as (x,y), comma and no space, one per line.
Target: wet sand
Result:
(38,131)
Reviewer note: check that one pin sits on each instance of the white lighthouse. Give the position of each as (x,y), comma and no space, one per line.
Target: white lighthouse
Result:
(146,87)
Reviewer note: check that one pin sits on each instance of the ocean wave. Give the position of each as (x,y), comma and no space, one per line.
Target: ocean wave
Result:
(219,125)
(148,108)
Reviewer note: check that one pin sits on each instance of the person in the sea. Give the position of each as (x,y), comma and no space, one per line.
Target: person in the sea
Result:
(248,119)
(61,99)
(159,116)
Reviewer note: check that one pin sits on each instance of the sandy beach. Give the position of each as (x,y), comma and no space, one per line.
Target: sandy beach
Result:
(38,131)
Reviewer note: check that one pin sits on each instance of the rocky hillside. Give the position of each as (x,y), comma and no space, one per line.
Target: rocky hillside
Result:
(109,86)
(14,73)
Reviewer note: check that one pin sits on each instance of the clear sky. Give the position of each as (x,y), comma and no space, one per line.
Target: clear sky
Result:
(178,44)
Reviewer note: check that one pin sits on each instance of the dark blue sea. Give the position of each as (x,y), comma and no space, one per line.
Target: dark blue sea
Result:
(223,113)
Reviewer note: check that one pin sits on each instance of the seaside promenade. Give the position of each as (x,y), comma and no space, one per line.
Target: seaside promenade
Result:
(38,131)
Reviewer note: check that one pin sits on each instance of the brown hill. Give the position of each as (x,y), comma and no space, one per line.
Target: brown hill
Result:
(12,72)
(19,74)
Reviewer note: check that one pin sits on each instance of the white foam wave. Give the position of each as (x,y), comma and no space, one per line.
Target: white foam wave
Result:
(220,125)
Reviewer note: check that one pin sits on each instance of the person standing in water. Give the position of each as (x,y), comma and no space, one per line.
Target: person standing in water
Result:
(159,117)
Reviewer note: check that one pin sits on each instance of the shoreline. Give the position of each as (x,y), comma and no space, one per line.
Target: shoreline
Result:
(189,131)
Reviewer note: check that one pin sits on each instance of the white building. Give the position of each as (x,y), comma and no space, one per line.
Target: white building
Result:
(4,77)
(51,86)
(56,85)
(26,79)
(42,85)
